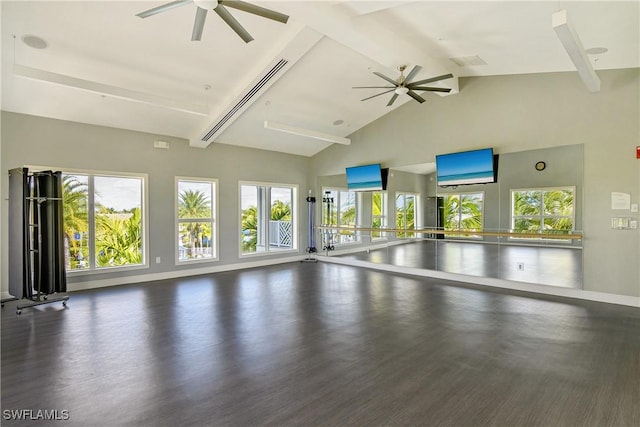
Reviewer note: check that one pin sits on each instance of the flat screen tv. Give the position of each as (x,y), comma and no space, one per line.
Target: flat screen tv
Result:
(467,167)
(365,178)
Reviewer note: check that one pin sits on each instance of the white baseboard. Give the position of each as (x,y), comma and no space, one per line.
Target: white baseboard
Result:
(116,281)
(5,295)
(496,283)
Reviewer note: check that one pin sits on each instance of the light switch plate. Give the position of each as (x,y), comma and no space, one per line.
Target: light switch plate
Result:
(634,207)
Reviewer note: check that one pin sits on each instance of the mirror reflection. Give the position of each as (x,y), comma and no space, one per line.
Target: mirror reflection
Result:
(525,227)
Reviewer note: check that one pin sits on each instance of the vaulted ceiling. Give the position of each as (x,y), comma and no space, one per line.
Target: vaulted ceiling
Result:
(104,65)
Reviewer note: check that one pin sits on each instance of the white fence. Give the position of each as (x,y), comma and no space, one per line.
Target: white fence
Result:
(281,234)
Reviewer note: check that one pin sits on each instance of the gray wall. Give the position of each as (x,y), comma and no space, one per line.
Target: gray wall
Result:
(29,140)
(521,113)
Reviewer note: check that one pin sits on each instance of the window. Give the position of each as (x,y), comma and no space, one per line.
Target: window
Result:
(103,221)
(378,213)
(268,218)
(463,212)
(340,212)
(406,214)
(196,208)
(543,210)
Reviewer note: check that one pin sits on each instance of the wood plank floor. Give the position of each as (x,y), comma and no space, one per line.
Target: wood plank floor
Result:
(321,345)
(544,265)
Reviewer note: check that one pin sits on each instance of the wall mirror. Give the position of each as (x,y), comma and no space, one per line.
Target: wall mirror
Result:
(525,227)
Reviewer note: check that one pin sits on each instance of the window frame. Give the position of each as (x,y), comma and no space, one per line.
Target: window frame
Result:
(294,217)
(417,219)
(541,216)
(384,217)
(462,236)
(214,219)
(91,174)
(338,190)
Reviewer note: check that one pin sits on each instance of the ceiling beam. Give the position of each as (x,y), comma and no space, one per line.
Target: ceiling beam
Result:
(355,30)
(108,90)
(572,44)
(308,133)
(294,45)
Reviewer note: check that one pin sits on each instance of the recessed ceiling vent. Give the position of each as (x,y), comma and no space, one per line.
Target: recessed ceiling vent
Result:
(248,97)
(468,61)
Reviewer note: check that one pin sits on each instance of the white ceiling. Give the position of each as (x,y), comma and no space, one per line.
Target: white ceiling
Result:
(105,66)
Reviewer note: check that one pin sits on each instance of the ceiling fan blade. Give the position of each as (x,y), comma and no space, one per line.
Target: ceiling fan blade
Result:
(416,69)
(378,94)
(430,89)
(255,10)
(393,98)
(233,23)
(431,80)
(415,96)
(393,82)
(373,87)
(198,25)
(163,8)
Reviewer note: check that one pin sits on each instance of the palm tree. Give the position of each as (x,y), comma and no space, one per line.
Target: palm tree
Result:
(194,204)
(280,211)
(555,205)
(376,213)
(249,233)
(558,203)
(75,211)
(405,215)
(463,212)
(118,238)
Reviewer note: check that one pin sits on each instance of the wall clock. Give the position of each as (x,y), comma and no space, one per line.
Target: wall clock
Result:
(540,166)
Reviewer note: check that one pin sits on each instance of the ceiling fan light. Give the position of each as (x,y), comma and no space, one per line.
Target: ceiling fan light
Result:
(206,4)
(401,90)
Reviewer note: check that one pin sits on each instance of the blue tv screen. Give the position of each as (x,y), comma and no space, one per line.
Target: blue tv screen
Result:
(468,167)
(365,178)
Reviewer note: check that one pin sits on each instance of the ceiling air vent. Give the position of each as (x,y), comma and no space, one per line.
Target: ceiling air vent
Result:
(468,61)
(241,103)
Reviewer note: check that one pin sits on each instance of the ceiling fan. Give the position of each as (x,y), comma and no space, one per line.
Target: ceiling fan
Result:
(220,7)
(404,86)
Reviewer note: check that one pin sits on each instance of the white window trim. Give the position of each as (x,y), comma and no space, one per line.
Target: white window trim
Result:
(294,219)
(384,216)
(417,215)
(214,220)
(542,216)
(145,216)
(460,194)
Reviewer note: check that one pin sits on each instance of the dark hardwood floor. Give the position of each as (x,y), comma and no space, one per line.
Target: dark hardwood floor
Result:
(545,265)
(305,344)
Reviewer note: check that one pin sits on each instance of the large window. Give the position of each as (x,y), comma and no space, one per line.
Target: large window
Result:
(543,210)
(406,214)
(341,212)
(463,212)
(268,218)
(103,221)
(196,208)
(378,213)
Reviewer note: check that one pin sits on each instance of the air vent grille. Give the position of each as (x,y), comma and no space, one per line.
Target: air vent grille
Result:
(246,98)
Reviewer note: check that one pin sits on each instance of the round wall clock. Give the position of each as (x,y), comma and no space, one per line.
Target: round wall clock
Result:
(540,166)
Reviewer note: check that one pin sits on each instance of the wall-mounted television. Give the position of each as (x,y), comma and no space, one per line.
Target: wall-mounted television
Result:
(467,167)
(367,178)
